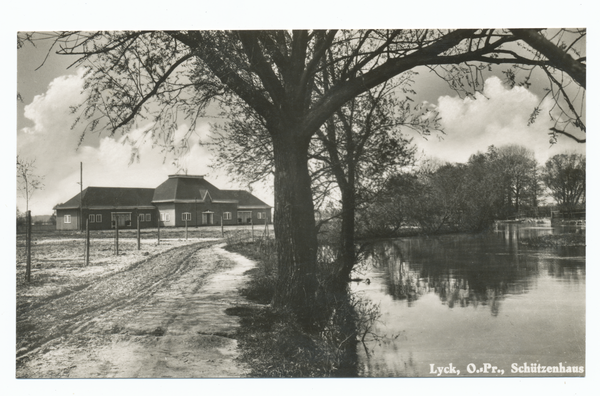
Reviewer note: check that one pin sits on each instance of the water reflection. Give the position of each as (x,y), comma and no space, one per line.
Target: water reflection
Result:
(489,271)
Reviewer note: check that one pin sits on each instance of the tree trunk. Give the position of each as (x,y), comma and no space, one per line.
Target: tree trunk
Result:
(348,250)
(294,226)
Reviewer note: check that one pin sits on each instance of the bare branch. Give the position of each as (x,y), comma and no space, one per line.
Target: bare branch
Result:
(557,57)
(554,130)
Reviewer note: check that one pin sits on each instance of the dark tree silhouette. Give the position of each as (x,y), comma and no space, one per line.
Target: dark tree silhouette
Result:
(564,176)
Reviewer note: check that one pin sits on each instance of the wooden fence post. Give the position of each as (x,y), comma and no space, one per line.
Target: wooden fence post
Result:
(117,235)
(222,232)
(266,228)
(28,245)
(138,231)
(185,229)
(158,229)
(87,242)
(252,227)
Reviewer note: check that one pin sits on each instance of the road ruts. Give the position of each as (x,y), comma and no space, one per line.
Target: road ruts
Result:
(80,309)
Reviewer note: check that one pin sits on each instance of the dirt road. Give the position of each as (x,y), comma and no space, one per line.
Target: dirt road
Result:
(163,317)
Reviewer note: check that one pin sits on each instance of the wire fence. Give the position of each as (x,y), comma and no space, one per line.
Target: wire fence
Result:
(41,249)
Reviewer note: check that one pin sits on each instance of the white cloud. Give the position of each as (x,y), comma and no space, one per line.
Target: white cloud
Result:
(499,116)
(106,160)
(50,111)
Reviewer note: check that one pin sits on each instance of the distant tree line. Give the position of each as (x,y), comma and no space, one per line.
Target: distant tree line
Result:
(564,176)
(502,183)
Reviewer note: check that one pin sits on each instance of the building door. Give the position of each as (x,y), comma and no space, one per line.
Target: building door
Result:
(244,217)
(207,218)
(122,218)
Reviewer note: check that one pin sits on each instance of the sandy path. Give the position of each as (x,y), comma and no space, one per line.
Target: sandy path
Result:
(163,318)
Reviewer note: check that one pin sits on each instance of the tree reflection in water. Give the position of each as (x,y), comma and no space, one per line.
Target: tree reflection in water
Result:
(426,287)
(463,270)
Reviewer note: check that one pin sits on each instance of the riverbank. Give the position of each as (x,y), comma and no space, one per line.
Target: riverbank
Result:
(555,240)
(415,231)
(273,344)
(550,240)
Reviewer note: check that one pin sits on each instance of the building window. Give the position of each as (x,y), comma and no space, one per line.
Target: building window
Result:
(67,219)
(98,218)
(164,217)
(186,216)
(148,216)
(261,215)
(92,218)
(226,215)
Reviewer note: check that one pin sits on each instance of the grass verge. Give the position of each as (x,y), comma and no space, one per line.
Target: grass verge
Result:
(272,343)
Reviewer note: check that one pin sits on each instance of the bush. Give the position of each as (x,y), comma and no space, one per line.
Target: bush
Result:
(272,341)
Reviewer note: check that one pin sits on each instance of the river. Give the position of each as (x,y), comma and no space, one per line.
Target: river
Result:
(474,305)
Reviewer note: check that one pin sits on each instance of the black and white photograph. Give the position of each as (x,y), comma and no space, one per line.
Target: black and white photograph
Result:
(257,202)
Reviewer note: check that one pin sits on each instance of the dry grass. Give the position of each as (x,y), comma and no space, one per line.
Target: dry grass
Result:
(58,258)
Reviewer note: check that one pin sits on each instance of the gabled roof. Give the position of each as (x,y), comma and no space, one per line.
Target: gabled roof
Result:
(245,199)
(191,188)
(177,188)
(184,187)
(108,197)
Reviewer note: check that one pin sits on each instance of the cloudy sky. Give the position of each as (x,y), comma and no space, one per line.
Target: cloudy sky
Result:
(44,133)
(496,116)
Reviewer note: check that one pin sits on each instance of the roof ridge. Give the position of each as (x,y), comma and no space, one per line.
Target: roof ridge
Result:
(138,188)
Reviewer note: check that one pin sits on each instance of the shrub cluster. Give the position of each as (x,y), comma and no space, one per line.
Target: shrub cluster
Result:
(273,343)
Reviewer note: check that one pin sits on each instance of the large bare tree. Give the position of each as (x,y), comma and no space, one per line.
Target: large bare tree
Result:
(350,157)
(163,75)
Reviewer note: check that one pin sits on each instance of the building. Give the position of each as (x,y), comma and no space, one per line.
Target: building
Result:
(104,205)
(192,198)
(179,200)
